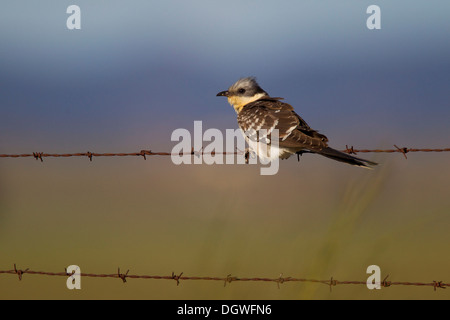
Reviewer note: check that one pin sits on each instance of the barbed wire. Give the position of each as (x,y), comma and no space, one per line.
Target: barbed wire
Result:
(145,153)
(226,280)
(229,278)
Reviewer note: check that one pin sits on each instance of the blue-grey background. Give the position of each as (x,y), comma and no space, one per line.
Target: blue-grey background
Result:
(141,64)
(137,70)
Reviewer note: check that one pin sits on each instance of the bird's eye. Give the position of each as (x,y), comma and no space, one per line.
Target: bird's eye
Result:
(241,90)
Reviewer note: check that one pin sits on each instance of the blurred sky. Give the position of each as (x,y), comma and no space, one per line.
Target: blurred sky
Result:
(137,70)
(142,67)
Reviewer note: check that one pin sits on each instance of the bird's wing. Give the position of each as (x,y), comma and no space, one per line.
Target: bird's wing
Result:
(293,131)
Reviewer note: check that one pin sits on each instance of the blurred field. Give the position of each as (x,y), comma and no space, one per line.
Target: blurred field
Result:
(315,219)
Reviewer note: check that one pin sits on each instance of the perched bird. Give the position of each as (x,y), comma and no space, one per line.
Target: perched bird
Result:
(256,111)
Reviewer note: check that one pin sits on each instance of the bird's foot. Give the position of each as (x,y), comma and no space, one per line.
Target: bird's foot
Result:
(300,153)
(249,153)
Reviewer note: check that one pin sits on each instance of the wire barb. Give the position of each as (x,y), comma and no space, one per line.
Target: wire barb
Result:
(385,283)
(38,155)
(333,282)
(349,150)
(145,152)
(122,276)
(402,150)
(439,284)
(281,280)
(176,278)
(229,279)
(68,274)
(20,272)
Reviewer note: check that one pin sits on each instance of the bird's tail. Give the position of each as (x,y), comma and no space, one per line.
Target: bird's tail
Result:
(344,157)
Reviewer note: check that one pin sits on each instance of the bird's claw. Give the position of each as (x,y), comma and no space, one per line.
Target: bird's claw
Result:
(300,153)
(249,153)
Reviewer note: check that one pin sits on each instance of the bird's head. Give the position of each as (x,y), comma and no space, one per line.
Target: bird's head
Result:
(244,91)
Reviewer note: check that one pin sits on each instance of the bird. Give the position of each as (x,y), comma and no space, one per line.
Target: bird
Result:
(257,110)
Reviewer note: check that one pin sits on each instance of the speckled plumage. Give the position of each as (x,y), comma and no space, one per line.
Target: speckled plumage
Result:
(258,111)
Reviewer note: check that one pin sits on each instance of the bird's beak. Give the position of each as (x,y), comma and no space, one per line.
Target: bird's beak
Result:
(222,94)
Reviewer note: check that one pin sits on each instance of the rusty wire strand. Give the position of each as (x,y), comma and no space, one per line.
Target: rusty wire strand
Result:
(227,279)
(90,155)
(145,153)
